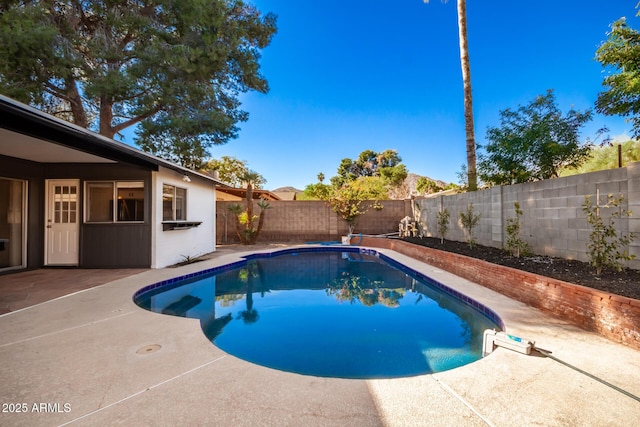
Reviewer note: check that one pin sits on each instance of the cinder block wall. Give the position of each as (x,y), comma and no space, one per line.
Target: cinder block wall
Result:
(309,221)
(553,220)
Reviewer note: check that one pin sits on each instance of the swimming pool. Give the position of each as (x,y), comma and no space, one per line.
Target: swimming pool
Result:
(329,311)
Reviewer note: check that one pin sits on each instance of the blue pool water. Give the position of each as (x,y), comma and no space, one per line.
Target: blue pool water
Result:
(331,312)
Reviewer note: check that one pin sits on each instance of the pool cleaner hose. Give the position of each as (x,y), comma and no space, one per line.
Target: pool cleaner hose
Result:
(548,354)
(492,339)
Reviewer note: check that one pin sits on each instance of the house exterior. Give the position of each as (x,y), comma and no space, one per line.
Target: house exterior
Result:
(71,197)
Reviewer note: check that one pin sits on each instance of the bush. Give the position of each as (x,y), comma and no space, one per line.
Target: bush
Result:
(469,220)
(443,224)
(516,245)
(606,248)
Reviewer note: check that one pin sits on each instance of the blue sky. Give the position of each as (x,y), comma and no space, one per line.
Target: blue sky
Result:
(351,75)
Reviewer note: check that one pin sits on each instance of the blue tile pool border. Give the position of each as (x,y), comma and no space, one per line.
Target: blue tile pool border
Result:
(479,307)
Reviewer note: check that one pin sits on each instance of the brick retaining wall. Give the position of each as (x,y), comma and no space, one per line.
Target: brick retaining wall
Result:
(614,317)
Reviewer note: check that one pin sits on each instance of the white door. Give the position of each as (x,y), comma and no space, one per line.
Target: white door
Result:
(61,236)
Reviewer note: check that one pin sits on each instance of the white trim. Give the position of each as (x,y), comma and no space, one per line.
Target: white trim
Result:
(47,206)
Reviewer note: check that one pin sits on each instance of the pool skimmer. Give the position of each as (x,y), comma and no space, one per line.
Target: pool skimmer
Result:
(492,339)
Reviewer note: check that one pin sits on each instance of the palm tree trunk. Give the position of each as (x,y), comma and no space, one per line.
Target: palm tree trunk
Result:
(468,105)
(249,200)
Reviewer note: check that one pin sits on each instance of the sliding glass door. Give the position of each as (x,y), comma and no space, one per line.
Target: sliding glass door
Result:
(12,223)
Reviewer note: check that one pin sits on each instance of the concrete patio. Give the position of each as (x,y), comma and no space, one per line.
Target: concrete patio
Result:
(95,358)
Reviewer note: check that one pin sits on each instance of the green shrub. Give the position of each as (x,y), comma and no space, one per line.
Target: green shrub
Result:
(469,220)
(516,245)
(607,248)
(443,224)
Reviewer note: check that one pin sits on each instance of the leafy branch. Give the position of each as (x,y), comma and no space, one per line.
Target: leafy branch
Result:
(606,247)
(516,245)
(469,220)
(443,223)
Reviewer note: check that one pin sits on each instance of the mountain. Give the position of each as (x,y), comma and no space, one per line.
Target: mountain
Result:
(286,190)
(405,191)
(412,179)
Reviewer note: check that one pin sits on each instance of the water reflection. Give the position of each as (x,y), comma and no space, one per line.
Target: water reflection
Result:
(250,276)
(352,288)
(328,314)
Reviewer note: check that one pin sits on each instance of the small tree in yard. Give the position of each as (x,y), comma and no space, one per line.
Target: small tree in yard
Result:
(347,202)
(248,230)
(516,245)
(443,224)
(469,220)
(606,247)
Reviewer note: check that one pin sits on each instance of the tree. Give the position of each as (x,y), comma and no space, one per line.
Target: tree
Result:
(233,172)
(606,247)
(247,229)
(347,201)
(606,157)
(465,64)
(443,223)
(534,142)
(393,176)
(469,220)
(386,164)
(515,244)
(371,187)
(175,68)
(427,186)
(317,191)
(621,53)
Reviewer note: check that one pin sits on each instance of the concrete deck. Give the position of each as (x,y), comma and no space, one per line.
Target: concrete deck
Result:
(95,358)
(27,288)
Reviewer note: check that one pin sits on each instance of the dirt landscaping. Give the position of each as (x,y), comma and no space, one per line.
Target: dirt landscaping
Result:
(625,283)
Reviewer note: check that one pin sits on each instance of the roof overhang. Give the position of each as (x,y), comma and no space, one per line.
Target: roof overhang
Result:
(29,134)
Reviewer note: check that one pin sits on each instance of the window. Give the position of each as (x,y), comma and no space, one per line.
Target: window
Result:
(100,202)
(13,204)
(130,201)
(174,203)
(127,195)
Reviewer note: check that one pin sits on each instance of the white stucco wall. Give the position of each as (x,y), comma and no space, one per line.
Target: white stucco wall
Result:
(172,246)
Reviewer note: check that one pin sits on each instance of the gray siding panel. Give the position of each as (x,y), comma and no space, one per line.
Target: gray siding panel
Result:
(101,245)
(115,245)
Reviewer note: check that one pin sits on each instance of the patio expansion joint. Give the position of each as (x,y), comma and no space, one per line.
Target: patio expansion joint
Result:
(59,331)
(143,391)
(449,390)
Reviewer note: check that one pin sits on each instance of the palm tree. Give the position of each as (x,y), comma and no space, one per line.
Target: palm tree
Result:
(472,180)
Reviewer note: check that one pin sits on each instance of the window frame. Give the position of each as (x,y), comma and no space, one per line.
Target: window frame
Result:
(24,222)
(174,203)
(114,214)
